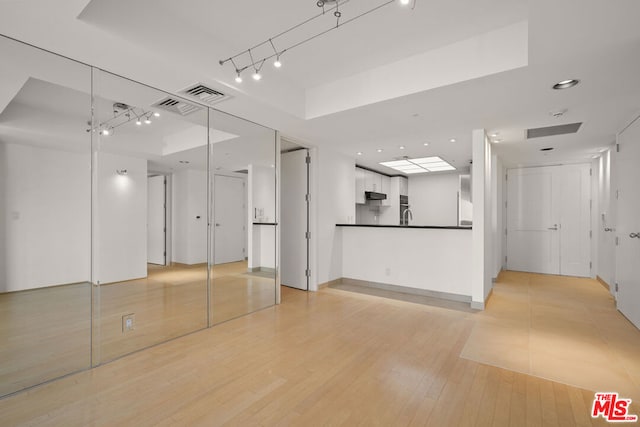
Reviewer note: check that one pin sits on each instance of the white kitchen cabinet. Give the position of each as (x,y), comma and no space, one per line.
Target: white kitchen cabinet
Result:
(385,187)
(373,181)
(404,186)
(360,186)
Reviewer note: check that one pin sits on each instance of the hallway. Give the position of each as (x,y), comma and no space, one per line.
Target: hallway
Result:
(565,329)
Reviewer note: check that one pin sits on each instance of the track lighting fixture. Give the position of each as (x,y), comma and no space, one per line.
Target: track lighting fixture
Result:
(122,114)
(245,59)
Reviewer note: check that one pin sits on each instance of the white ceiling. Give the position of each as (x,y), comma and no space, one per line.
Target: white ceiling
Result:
(174,44)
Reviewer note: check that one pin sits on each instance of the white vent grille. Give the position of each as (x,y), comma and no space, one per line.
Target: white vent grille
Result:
(205,94)
(177,106)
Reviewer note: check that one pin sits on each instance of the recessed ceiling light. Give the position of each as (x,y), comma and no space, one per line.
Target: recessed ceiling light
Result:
(566,84)
(404,2)
(497,140)
(156,114)
(401,147)
(425,144)
(380,150)
(495,134)
(452,140)
(359,153)
(546,149)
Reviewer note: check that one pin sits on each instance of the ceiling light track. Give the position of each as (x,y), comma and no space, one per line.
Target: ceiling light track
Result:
(123,114)
(245,59)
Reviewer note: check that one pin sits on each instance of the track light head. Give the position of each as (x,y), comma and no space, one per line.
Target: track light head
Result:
(138,122)
(277,63)
(256,76)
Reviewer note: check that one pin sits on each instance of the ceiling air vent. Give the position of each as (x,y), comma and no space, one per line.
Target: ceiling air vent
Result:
(177,106)
(205,94)
(553,130)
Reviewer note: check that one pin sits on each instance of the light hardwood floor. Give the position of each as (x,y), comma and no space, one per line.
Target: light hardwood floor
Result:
(46,333)
(326,358)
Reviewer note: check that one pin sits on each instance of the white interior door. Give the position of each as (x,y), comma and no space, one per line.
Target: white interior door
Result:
(156,226)
(533,241)
(229,219)
(628,224)
(294,219)
(549,220)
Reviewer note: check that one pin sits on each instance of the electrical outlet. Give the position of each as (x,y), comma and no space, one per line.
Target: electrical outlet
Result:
(128,323)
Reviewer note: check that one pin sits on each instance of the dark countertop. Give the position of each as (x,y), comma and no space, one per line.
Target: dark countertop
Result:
(443,227)
(265,223)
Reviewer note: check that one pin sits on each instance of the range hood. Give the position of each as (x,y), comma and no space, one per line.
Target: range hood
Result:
(372,195)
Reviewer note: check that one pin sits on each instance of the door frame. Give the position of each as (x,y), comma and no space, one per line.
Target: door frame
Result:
(168,220)
(591,222)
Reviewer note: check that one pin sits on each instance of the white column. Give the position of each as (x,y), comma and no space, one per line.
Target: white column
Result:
(482,227)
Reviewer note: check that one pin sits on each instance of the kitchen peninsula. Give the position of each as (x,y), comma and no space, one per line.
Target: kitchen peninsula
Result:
(423,260)
(432,256)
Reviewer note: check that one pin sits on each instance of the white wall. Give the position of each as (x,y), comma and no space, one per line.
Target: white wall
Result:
(45,217)
(497,214)
(120,219)
(482,207)
(429,259)
(333,178)
(434,199)
(189,233)
(606,205)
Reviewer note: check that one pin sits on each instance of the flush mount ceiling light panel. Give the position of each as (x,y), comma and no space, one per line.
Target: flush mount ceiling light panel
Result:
(247,59)
(566,84)
(420,165)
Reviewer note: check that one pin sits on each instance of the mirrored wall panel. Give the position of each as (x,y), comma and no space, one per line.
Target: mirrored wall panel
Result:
(243,187)
(45,216)
(150,221)
(128,216)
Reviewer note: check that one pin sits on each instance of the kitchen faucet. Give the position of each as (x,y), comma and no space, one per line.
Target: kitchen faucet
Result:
(406,215)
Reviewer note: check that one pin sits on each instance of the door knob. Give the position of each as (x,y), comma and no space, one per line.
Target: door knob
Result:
(635,235)
(555,227)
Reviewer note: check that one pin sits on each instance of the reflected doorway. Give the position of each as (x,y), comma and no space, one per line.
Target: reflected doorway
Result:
(229,237)
(156,220)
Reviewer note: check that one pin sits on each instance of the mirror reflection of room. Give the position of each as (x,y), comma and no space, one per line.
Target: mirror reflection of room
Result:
(45,217)
(128,216)
(244,195)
